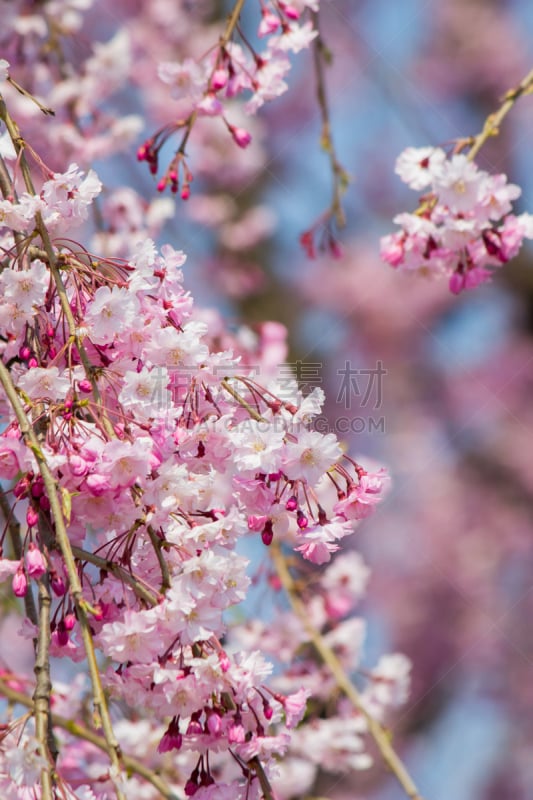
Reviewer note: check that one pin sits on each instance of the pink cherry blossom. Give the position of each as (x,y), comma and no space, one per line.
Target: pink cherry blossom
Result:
(460,227)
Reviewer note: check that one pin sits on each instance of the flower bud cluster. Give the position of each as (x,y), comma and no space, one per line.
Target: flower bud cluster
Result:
(208,87)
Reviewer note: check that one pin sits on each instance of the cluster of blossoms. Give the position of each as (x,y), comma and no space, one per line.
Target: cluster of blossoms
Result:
(208,87)
(165,452)
(464,225)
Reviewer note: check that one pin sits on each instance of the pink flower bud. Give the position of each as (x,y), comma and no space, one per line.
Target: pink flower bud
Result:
(194,728)
(44,503)
(457,283)
(240,136)
(289,11)
(85,386)
(172,739)
(291,504)
(219,79)
(20,583)
(301,520)
(69,621)
(57,583)
(62,636)
(32,516)
(22,487)
(37,488)
(35,562)
(267,534)
(24,353)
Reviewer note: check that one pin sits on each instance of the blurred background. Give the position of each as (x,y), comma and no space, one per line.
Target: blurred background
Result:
(437,388)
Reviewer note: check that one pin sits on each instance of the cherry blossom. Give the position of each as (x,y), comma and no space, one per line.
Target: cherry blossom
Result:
(464,224)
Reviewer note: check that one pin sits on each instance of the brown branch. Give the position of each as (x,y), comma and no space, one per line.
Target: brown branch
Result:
(322,57)
(21,90)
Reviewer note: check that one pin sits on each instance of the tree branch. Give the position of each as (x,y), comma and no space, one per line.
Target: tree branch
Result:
(143,593)
(378,733)
(82,732)
(99,700)
(494,120)
(43,687)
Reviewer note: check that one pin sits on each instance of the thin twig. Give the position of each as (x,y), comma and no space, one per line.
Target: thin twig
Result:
(163,566)
(322,57)
(376,730)
(494,120)
(25,93)
(241,401)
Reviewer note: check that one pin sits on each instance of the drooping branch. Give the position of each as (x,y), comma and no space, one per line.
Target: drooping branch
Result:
(328,657)
(74,335)
(322,57)
(82,607)
(82,732)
